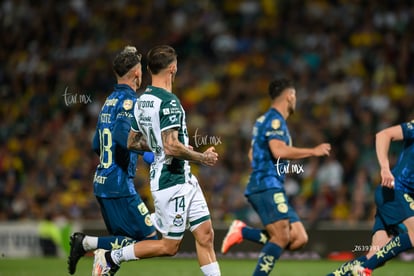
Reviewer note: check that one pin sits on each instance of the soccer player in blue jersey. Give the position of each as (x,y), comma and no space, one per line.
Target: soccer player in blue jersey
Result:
(270,152)
(125,214)
(394,199)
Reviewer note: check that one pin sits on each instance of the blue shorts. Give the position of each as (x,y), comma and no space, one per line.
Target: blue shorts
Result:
(393,207)
(272,205)
(126,216)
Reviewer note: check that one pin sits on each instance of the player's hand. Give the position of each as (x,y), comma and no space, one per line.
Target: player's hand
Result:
(387,179)
(210,157)
(322,149)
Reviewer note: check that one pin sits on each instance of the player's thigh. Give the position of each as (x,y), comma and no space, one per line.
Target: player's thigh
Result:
(127,216)
(171,210)
(271,205)
(198,211)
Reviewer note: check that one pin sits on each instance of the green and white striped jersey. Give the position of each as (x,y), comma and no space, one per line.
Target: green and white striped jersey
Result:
(157,110)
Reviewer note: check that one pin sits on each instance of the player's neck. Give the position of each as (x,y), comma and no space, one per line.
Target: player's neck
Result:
(282,108)
(163,83)
(131,84)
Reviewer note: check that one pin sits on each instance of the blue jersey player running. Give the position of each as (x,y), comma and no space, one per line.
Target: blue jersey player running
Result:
(126,216)
(394,199)
(270,153)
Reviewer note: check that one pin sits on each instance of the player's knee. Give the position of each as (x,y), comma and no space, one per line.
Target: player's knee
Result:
(206,238)
(282,239)
(170,248)
(299,242)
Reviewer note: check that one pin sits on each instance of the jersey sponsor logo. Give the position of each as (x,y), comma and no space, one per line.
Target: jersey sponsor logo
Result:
(142,208)
(275,124)
(173,118)
(279,198)
(127,105)
(166,111)
(145,104)
(173,103)
(275,132)
(178,220)
(260,119)
(111,102)
(99,179)
(408,198)
(145,118)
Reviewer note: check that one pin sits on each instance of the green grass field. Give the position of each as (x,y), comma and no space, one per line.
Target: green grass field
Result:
(185,267)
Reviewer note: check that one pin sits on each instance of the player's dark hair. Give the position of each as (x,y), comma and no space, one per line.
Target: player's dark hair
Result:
(159,57)
(126,60)
(277,86)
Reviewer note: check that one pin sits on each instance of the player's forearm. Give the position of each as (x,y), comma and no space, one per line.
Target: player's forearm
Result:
(383,140)
(293,153)
(173,147)
(180,151)
(137,142)
(382,145)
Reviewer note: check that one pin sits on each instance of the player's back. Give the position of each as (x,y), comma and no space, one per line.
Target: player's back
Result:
(266,169)
(156,111)
(403,171)
(116,169)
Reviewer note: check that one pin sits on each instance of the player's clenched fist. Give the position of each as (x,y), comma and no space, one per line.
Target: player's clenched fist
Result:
(210,157)
(322,149)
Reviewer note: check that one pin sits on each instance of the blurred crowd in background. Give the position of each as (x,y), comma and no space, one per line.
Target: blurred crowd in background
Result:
(352,62)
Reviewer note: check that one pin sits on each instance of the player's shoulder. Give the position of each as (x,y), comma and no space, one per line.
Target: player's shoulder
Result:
(273,119)
(160,94)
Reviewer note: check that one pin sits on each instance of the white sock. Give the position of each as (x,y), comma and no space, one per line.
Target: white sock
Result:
(211,269)
(90,243)
(123,254)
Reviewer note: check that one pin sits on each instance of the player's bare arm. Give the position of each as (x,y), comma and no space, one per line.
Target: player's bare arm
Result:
(173,147)
(383,140)
(137,141)
(281,150)
(250,154)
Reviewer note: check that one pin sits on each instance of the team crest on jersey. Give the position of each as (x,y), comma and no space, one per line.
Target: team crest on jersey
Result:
(275,124)
(148,221)
(178,221)
(282,207)
(142,208)
(127,105)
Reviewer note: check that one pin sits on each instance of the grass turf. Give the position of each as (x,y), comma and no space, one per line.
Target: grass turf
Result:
(185,267)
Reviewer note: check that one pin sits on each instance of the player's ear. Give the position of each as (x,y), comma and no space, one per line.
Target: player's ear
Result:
(173,68)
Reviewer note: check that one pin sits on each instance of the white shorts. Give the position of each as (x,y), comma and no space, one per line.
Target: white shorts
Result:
(178,208)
